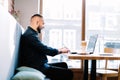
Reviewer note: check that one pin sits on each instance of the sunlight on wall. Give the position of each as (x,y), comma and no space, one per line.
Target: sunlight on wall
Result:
(4,3)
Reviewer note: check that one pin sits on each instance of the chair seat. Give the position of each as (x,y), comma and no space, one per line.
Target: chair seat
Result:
(108,73)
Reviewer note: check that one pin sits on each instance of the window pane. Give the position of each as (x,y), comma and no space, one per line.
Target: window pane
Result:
(62,24)
(103,18)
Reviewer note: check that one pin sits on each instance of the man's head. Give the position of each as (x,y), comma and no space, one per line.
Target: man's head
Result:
(37,22)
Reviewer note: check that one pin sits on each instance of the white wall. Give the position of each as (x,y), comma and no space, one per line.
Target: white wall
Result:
(27,8)
(10,33)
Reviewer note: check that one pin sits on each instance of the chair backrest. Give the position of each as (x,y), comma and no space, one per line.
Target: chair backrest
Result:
(10,34)
(112,51)
(108,50)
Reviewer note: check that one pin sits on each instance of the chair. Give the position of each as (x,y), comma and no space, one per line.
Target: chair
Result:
(105,73)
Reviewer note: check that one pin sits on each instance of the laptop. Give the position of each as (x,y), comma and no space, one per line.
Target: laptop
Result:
(92,43)
(90,46)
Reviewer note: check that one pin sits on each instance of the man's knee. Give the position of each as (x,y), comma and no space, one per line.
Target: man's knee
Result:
(65,65)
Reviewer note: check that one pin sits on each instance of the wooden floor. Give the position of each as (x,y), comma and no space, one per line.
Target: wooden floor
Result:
(78,75)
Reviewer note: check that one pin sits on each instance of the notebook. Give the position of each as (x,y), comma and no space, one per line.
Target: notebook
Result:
(91,45)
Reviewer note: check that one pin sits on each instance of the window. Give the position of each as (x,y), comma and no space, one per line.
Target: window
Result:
(103,17)
(62,23)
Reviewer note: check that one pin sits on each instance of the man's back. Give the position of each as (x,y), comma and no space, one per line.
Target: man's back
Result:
(32,51)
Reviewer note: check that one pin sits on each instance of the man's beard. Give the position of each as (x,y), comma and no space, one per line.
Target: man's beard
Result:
(39,30)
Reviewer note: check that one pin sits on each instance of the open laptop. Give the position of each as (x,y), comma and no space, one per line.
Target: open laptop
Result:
(90,46)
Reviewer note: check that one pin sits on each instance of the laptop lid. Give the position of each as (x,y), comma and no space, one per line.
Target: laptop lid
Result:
(91,44)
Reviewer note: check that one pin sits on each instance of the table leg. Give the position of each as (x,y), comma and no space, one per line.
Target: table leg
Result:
(93,70)
(85,76)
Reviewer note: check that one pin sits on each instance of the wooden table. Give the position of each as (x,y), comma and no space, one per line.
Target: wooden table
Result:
(92,57)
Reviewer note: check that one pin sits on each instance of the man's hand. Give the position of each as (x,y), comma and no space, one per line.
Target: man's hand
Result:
(63,50)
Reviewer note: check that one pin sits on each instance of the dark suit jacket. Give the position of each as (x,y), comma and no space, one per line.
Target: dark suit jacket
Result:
(32,51)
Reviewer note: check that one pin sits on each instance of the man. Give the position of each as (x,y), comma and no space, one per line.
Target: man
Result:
(33,52)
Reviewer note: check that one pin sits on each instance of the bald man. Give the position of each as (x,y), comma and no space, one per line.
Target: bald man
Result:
(33,53)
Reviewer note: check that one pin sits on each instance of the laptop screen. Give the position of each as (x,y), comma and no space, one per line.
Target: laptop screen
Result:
(91,44)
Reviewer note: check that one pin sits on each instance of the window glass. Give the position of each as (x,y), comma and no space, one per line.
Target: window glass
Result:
(62,23)
(103,18)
